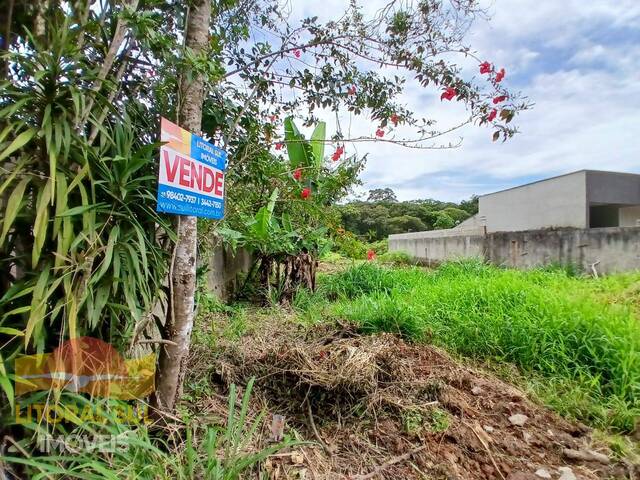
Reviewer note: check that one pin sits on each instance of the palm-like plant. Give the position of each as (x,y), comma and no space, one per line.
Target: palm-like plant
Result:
(79,238)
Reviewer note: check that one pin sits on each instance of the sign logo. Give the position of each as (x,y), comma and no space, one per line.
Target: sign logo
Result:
(191,180)
(86,365)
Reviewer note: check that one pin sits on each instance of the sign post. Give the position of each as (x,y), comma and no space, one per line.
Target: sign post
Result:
(191,179)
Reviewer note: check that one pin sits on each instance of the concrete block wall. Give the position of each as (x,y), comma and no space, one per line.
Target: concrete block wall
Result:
(437,245)
(609,249)
(224,268)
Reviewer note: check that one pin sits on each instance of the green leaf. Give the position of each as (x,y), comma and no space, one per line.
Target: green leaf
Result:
(102,295)
(272,200)
(81,209)
(318,138)
(38,303)
(228,233)
(142,247)
(12,331)
(14,172)
(263,217)
(297,147)
(5,383)
(79,177)
(53,162)
(19,142)
(286,222)
(13,207)
(61,201)
(108,254)
(15,311)
(41,222)
(15,291)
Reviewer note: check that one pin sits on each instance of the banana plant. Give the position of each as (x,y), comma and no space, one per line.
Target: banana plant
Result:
(285,231)
(305,153)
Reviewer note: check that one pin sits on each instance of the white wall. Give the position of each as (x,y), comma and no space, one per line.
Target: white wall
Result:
(630,216)
(611,249)
(556,202)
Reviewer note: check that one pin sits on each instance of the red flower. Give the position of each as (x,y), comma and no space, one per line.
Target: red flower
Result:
(297,174)
(379,132)
(500,75)
(371,255)
(485,67)
(297,53)
(337,154)
(352,90)
(492,115)
(395,119)
(499,99)
(449,93)
(306,192)
(279,145)
(273,118)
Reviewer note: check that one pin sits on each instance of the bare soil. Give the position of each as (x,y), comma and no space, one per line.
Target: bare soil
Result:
(378,407)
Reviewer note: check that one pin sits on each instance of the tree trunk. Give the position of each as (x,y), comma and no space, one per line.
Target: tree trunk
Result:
(299,271)
(39,19)
(180,323)
(6,19)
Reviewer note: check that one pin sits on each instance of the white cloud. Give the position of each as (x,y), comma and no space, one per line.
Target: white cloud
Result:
(576,60)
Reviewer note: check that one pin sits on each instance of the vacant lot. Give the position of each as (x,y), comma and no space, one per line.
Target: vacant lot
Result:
(398,373)
(575,341)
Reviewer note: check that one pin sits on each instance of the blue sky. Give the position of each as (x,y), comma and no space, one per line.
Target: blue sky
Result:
(579,61)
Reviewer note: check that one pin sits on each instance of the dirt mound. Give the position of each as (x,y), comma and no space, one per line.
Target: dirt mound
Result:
(377,407)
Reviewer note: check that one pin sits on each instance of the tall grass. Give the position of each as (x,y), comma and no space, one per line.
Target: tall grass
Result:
(208,452)
(548,322)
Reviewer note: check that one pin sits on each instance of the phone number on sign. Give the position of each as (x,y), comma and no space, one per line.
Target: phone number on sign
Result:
(210,203)
(181,197)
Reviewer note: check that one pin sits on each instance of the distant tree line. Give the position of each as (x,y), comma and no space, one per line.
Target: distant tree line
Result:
(382,214)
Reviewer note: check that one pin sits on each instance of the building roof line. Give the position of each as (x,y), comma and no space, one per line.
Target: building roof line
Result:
(584,170)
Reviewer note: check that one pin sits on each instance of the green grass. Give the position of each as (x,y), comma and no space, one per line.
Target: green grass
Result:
(582,348)
(212,452)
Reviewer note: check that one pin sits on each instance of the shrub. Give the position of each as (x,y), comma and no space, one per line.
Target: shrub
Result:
(397,258)
(380,247)
(348,245)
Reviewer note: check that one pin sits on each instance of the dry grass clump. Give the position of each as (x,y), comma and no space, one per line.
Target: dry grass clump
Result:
(378,407)
(345,364)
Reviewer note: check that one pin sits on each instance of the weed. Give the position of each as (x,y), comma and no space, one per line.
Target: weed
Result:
(412,421)
(220,453)
(438,420)
(233,440)
(237,323)
(434,420)
(359,280)
(585,351)
(397,258)
(382,312)
(332,257)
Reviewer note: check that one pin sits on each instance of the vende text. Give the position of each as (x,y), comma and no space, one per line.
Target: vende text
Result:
(193,175)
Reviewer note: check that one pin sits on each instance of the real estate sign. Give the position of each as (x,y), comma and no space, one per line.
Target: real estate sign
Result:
(191,179)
